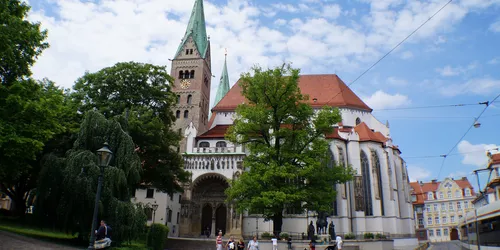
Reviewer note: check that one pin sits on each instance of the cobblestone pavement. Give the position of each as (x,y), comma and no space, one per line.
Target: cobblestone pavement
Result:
(446,246)
(10,241)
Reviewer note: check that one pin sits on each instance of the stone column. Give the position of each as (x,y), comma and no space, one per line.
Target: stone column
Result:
(213,221)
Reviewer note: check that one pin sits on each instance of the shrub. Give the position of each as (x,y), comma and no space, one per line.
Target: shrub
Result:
(284,235)
(266,235)
(157,236)
(368,236)
(380,236)
(349,236)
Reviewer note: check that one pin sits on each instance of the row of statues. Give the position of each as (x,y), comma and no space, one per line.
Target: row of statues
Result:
(321,227)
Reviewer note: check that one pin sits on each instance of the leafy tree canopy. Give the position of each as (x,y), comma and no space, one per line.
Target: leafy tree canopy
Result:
(287,147)
(22,41)
(139,97)
(67,186)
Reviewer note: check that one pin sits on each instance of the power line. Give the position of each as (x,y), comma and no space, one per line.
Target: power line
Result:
(433,106)
(434,117)
(439,156)
(390,51)
(466,132)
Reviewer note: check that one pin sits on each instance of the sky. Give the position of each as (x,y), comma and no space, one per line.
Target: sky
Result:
(452,59)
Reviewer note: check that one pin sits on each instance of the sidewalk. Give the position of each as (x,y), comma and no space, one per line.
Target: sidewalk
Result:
(12,241)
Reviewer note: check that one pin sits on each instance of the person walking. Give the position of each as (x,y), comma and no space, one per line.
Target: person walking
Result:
(230,245)
(339,242)
(218,241)
(241,244)
(253,244)
(275,242)
(289,242)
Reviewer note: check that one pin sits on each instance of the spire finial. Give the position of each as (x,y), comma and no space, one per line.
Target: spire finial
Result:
(225,53)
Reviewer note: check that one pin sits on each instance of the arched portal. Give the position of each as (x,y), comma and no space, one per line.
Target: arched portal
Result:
(221,219)
(454,234)
(206,219)
(209,189)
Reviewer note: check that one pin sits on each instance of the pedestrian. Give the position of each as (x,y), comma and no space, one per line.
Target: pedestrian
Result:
(289,242)
(275,242)
(253,244)
(241,244)
(312,244)
(230,245)
(218,241)
(339,242)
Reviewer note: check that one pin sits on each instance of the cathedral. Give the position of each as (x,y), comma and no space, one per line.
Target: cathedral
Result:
(377,201)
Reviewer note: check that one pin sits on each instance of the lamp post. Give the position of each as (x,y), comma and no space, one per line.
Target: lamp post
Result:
(104,156)
(154,206)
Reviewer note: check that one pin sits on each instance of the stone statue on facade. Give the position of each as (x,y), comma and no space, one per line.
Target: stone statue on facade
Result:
(331,230)
(310,231)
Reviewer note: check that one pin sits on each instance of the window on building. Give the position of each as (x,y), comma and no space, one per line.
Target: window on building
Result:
(367,192)
(430,196)
(431,232)
(421,234)
(358,121)
(342,163)
(413,198)
(221,144)
(460,217)
(458,194)
(169,215)
(179,131)
(450,206)
(436,220)
(178,99)
(445,219)
(466,204)
(178,114)
(376,168)
(421,221)
(445,232)
(172,197)
(187,51)
(190,51)
(180,197)
(438,232)
(189,99)
(181,74)
(204,144)
(428,207)
(449,194)
(441,195)
(191,74)
(178,216)
(452,219)
(419,209)
(459,205)
(467,192)
(435,207)
(150,193)
(294,208)
(186,113)
(149,213)
(429,221)
(443,207)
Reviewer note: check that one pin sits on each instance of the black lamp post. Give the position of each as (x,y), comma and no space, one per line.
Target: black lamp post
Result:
(104,156)
(154,206)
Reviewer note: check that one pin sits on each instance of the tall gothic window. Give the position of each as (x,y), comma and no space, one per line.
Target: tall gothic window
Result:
(343,187)
(378,180)
(330,162)
(389,174)
(367,192)
(189,99)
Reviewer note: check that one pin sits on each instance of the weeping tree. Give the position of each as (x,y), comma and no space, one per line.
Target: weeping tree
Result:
(67,185)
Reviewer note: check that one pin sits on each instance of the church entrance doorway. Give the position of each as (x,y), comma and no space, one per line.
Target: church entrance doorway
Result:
(206,220)
(454,234)
(221,218)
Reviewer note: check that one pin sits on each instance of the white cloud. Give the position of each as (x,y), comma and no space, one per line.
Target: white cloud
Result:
(440,40)
(494,60)
(406,55)
(381,100)
(454,71)
(418,173)
(396,81)
(331,11)
(478,86)
(280,22)
(495,27)
(475,154)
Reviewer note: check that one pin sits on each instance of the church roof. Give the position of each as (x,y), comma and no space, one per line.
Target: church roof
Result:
(196,29)
(366,134)
(223,85)
(322,90)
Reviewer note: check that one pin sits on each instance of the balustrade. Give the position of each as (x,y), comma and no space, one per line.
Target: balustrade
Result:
(209,150)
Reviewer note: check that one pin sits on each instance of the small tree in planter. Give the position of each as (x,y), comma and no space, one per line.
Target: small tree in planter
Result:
(266,235)
(349,236)
(368,236)
(380,236)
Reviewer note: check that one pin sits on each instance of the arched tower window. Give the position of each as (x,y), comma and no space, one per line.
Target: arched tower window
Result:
(189,99)
(378,180)
(367,192)
(221,144)
(186,74)
(178,99)
(358,121)
(181,74)
(186,113)
(204,144)
(192,74)
(178,114)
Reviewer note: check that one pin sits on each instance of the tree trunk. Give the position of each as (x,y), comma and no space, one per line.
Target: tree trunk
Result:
(277,224)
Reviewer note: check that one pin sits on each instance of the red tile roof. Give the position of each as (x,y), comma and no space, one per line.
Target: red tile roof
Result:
(334,135)
(219,131)
(421,189)
(366,134)
(320,88)
(494,159)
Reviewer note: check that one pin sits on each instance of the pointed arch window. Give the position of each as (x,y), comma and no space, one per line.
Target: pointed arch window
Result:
(358,121)
(189,99)
(191,75)
(378,180)
(186,113)
(330,163)
(343,187)
(178,114)
(367,192)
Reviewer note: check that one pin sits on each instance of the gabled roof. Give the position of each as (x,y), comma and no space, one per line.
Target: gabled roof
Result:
(322,90)
(196,29)
(420,189)
(334,135)
(219,131)
(366,134)
(223,85)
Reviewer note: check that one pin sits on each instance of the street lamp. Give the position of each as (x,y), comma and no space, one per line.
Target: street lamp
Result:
(104,156)
(154,206)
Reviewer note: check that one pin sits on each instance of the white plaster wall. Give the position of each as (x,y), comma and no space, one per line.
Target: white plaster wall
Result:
(223,118)
(164,202)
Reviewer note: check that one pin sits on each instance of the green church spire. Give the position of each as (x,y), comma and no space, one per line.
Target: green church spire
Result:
(224,83)
(196,29)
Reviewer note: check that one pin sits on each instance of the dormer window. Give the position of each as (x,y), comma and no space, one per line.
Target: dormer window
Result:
(431,196)
(441,195)
(467,192)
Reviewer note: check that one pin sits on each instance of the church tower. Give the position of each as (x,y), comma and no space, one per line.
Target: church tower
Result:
(191,68)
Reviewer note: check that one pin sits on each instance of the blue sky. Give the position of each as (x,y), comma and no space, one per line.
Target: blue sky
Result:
(453,59)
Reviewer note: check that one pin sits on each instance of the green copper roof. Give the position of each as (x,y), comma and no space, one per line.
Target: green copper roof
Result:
(196,29)
(223,85)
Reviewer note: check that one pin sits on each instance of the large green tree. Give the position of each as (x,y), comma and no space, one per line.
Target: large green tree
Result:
(21,41)
(286,139)
(67,185)
(139,97)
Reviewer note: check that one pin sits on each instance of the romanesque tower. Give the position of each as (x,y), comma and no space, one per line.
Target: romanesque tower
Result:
(191,69)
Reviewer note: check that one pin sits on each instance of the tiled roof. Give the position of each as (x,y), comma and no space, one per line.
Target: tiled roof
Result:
(322,90)
(366,134)
(421,189)
(196,29)
(494,159)
(334,135)
(219,131)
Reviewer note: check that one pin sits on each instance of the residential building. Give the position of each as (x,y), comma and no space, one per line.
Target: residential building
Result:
(439,206)
(5,202)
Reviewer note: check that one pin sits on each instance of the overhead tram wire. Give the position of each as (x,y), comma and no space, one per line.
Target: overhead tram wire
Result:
(466,132)
(433,106)
(390,51)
